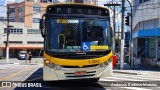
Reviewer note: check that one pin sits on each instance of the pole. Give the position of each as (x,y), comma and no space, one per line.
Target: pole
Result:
(8,31)
(114,22)
(119,41)
(122,37)
(114,25)
(131,39)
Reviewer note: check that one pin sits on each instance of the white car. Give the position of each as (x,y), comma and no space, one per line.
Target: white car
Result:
(23,55)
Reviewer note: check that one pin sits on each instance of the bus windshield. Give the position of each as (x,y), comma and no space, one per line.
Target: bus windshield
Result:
(63,35)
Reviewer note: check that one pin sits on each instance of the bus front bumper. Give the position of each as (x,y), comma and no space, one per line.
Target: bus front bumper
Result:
(51,74)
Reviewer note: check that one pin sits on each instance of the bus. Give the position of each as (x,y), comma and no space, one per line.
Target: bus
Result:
(77,42)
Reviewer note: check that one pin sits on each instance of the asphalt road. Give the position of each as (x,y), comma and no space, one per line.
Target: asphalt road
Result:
(32,73)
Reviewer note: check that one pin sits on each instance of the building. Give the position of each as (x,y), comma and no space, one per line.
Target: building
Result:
(92,2)
(25,34)
(146,29)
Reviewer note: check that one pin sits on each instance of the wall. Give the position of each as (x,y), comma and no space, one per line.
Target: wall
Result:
(145,11)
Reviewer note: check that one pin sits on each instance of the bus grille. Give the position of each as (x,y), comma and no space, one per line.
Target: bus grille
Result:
(80,67)
(90,73)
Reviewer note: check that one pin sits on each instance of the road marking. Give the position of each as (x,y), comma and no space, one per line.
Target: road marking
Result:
(15,73)
(122,77)
(1,70)
(34,79)
(135,88)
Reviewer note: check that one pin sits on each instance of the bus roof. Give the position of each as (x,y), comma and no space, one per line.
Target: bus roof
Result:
(77,4)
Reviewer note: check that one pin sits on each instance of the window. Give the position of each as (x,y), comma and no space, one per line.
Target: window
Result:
(78,1)
(36,20)
(20,9)
(141,25)
(62,36)
(20,19)
(14,42)
(36,8)
(33,31)
(14,30)
(44,1)
(69,0)
(12,10)
(146,0)
(156,23)
(149,24)
(11,20)
(140,1)
(34,42)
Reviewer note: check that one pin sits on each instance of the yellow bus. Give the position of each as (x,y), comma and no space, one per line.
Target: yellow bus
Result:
(77,42)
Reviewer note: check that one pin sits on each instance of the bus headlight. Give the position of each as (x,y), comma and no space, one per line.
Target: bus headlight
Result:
(58,67)
(110,60)
(46,61)
(51,65)
(106,63)
(101,65)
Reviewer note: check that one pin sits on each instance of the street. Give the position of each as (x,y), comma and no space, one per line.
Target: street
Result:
(24,72)
(63,39)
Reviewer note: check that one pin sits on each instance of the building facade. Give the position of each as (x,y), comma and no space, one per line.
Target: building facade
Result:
(146,29)
(25,34)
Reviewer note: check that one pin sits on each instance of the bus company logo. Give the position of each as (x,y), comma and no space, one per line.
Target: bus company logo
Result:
(6,84)
(20,84)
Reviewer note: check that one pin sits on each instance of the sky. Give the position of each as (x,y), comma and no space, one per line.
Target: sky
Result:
(4,2)
(100,3)
(2,9)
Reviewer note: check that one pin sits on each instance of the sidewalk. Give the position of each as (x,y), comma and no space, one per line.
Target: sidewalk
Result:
(135,70)
(17,61)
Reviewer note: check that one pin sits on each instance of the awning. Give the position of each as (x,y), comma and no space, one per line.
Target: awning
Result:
(23,46)
(147,33)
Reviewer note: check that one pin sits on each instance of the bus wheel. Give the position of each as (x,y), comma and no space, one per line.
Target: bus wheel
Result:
(94,79)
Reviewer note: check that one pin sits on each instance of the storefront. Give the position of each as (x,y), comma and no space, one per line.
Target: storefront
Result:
(146,44)
(36,50)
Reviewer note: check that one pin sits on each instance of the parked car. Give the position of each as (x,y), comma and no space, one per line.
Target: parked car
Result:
(23,55)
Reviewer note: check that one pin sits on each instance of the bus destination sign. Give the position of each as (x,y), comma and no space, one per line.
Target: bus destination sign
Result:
(78,10)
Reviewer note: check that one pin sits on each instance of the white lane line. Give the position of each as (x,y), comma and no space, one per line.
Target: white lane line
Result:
(135,88)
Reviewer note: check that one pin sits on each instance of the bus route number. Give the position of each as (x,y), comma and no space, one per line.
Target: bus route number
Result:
(93,61)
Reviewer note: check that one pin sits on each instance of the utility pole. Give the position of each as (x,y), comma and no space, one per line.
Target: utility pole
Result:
(131,41)
(114,20)
(8,31)
(122,37)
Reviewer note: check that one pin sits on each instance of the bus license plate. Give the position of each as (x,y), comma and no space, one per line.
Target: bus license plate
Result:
(79,73)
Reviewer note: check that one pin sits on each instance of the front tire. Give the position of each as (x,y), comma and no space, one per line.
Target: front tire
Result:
(94,79)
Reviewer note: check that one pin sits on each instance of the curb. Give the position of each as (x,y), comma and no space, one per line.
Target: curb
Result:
(123,72)
(21,63)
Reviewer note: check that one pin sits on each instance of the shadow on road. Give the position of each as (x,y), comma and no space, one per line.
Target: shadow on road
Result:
(37,79)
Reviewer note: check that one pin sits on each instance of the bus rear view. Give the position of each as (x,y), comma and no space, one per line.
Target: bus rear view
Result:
(77,42)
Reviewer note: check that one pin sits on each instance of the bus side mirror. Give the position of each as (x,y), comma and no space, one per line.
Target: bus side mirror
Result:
(41,27)
(41,24)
